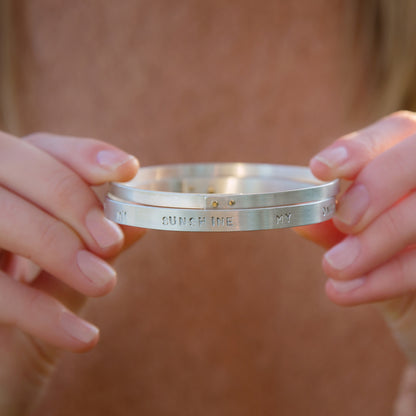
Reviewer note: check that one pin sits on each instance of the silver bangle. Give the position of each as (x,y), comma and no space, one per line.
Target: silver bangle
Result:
(221,197)
(223,186)
(178,219)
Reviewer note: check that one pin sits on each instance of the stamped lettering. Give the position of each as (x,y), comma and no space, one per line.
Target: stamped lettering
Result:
(201,221)
(121,216)
(328,210)
(284,218)
(222,221)
(196,222)
(218,221)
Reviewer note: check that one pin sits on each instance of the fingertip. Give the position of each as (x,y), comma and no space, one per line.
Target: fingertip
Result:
(352,292)
(326,164)
(343,227)
(320,169)
(128,169)
(123,165)
(326,267)
(82,335)
(107,235)
(99,278)
(81,349)
(95,161)
(332,294)
(336,297)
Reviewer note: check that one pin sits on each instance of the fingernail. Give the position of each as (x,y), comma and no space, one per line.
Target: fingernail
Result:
(343,254)
(353,205)
(112,159)
(333,157)
(105,232)
(95,269)
(77,328)
(345,286)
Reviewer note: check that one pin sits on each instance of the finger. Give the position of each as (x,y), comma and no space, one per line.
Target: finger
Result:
(394,170)
(95,161)
(26,271)
(42,316)
(348,155)
(33,234)
(393,279)
(20,268)
(324,234)
(72,299)
(386,236)
(41,179)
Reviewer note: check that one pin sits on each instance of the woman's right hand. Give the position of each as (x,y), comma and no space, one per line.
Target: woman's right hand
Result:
(372,237)
(54,240)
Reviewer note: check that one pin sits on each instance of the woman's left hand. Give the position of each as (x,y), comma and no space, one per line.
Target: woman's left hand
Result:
(372,258)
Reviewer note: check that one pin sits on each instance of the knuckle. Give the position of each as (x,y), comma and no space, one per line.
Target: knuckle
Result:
(52,233)
(7,204)
(37,301)
(4,135)
(374,139)
(40,304)
(362,143)
(35,137)
(404,116)
(401,121)
(32,303)
(367,143)
(391,226)
(89,142)
(398,159)
(66,187)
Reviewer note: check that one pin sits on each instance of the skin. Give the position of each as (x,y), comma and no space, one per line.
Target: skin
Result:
(44,285)
(373,260)
(190,326)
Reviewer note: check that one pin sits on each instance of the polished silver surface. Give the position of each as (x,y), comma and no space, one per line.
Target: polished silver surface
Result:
(213,197)
(223,186)
(176,219)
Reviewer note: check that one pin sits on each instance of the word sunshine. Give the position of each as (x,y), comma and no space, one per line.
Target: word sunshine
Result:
(177,221)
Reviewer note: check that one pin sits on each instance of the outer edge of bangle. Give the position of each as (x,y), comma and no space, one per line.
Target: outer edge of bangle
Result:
(214,220)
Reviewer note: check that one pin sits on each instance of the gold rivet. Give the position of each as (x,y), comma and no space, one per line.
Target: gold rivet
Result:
(214,204)
(231,202)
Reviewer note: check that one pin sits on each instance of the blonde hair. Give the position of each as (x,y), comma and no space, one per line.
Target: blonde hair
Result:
(381,31)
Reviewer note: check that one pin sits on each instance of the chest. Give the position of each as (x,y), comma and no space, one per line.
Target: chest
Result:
(188,81)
